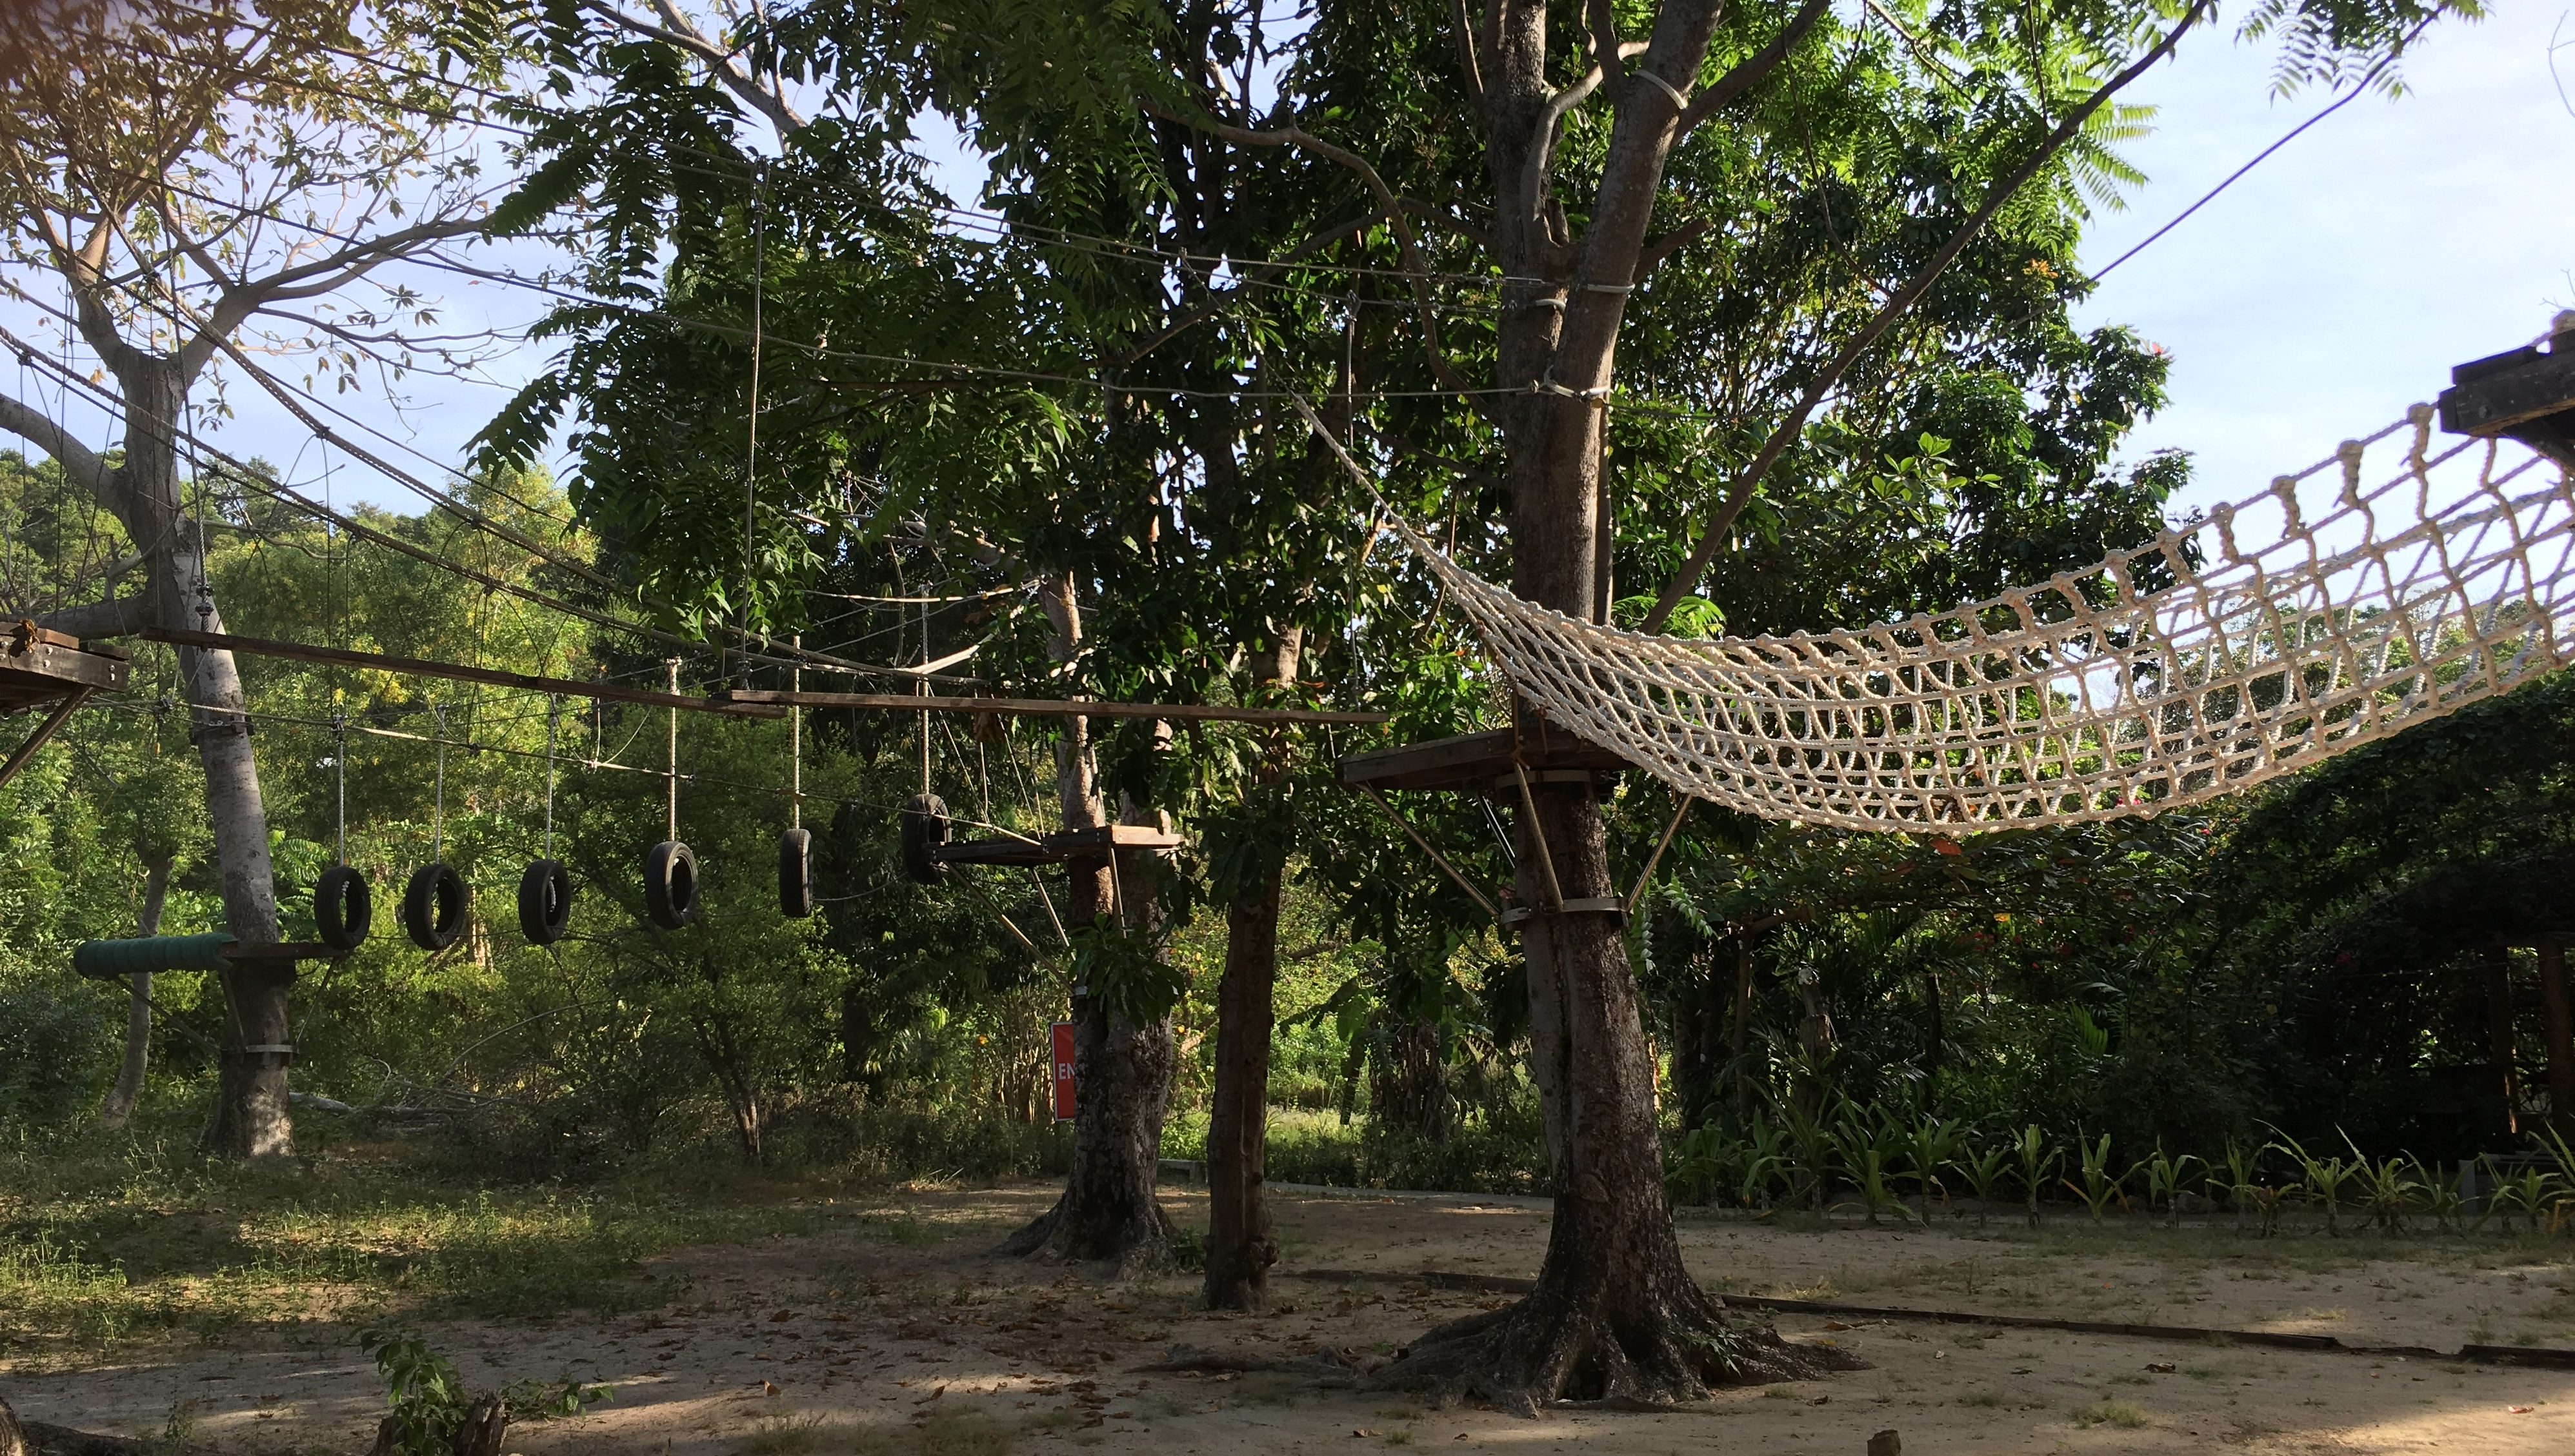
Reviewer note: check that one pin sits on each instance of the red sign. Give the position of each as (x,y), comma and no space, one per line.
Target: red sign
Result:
(1063,1042)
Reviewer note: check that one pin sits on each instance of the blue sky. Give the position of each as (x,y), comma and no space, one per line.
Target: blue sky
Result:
(2313,300)
(2338,281)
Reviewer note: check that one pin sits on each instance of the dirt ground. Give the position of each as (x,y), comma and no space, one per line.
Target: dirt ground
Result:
(892,1332)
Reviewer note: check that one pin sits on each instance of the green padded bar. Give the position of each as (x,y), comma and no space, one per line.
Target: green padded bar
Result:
(116,960)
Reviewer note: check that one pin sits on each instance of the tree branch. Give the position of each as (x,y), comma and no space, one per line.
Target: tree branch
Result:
(1390,205)
(1752,68)
(87,468)
(1896,306)
(117,616)
(1467,58)
(677,30)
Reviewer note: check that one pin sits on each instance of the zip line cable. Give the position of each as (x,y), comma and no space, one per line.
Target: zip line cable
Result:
(2346,99)
(278,491)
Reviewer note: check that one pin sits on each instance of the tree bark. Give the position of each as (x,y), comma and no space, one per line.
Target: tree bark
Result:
(1240,1248)
(250,1116)
(2561,1036)
(1741,1044)
(1122,1070)
(1615,1314)
(118,1109)
(2499,1030)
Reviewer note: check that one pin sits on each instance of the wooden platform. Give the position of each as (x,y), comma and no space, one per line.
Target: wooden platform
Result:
(1059,847)
(38,666)
(2526,394)
(1486,762)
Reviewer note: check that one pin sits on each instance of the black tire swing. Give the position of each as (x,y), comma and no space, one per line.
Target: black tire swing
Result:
(437,901)
(545,889)
(796,846)
(344,907)
(670,869)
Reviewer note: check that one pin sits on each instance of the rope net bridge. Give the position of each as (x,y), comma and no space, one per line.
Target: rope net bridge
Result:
(2388,584)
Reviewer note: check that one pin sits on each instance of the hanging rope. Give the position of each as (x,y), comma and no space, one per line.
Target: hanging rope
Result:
(554,715)
(671,776)
(2317,616)
(750,445)
(438,815)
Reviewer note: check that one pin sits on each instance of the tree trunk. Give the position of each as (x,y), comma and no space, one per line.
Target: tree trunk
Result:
(1614,1316)
(1122,1070)
(2499,1030)
(119,1107)
(2561,1036)
(1409,1082)
(250,1114)
(1742,1045)
(1240,1248)
(858,1038)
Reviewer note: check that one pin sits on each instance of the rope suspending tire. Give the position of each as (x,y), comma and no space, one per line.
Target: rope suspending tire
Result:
(545,901)
(925,827)
(433,906)
(795,874)
(669,884)
(344,908)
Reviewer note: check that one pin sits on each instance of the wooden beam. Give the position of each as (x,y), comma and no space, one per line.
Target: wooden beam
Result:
(421,668)
(25,752)
(1047,706)
(1475,762)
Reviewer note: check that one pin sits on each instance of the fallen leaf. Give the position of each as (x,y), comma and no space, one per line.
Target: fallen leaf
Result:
(1820,1400)
(1362,1431)
(2519,1410)
(1835,1324)
(768,1387)
(782,1317)
(2162,1367)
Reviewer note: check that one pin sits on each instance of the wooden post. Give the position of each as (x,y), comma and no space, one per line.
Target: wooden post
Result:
(2499,1030)
(2561,1034)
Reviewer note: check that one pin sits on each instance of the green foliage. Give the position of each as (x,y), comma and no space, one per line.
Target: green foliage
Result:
(427,1396)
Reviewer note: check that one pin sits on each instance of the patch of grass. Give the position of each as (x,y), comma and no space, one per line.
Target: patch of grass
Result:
(2109,1413)
(1984,1399)
(98,1253)
(1399,1436)
(789,1435)
(2203,1372)
(954,1433)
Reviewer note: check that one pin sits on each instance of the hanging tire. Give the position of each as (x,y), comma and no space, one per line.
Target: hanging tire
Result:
(545,901)
(925,827)
(795,874)
(433,906)
(344,908)
(669,884)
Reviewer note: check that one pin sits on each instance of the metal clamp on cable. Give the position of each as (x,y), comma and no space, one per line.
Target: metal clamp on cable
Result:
(1546,384)
(1606,904)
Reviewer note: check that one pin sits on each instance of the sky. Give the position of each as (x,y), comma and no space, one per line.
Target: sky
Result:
(2312,301)
(2338,281)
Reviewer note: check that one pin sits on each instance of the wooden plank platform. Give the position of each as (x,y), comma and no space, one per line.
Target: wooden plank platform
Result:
(2527,394)
(1477,763)
(1057,847)
(38,666)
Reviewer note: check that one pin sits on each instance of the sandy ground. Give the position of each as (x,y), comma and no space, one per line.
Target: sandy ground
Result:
(894,1333)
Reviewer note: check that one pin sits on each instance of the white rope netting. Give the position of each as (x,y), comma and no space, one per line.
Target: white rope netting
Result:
(2320,615)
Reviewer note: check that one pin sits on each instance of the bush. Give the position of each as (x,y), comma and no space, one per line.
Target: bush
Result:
(55,1054)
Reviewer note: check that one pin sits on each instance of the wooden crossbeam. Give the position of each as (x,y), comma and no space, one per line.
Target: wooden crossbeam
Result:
(1048,707)
(421,668)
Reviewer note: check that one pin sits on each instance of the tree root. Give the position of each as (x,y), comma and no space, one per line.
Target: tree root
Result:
(1544,1351)
(1328,1367)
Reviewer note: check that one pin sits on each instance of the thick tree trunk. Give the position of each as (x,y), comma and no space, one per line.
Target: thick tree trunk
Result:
(1122,1070)
(1409,1083)
(119,1106)
(1615,1316)
(250,1114)
(1240,1248)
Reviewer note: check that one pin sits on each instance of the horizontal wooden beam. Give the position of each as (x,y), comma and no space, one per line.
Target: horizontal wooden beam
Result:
(420,667)
(1048,707)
